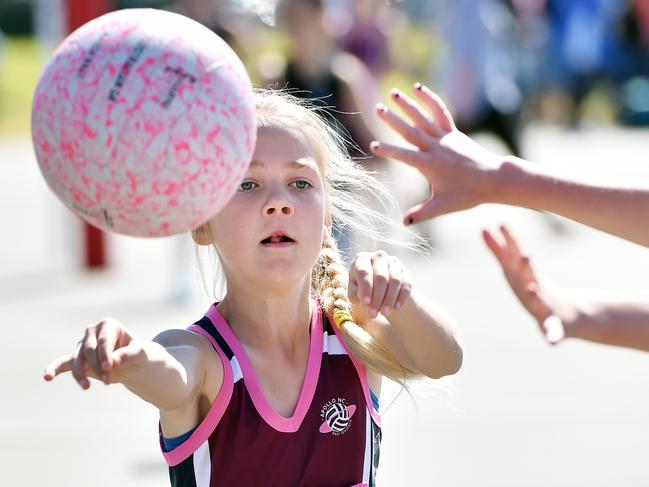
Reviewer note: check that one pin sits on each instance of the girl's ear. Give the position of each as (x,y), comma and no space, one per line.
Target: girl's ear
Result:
(326,228)
(202,235)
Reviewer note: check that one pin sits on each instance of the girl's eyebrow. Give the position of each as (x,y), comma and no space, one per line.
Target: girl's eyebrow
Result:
(305,163)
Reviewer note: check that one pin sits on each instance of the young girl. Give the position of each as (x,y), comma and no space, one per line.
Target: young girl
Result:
(277,383)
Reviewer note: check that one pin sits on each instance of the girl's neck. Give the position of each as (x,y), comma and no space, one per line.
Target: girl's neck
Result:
(268,320)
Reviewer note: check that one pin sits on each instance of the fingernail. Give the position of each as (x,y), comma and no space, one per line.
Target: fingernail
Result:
(418,86)
(366,300)
(104,365)
(373,313)
(385,310)
(409,221)
(374,145)
(85,384)
(380,107)
(397,305)
(396,93)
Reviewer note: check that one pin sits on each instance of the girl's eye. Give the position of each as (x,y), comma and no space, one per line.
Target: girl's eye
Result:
(301,184)
(247,186)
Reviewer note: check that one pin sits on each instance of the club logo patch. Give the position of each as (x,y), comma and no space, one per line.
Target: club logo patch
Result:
(337,416)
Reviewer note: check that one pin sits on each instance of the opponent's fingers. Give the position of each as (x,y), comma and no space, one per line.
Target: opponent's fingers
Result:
(78,367)
(441,113)
(361,276)
(395,281)
(411,134)
(512,244)
(380,278)
(414,111)
(57,367)
(436,205)
(495,246)
(553,329)
(536,303)
(412,157)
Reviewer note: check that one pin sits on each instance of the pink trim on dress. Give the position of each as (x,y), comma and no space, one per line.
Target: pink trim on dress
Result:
(214,415)
(362,373)
(265,410)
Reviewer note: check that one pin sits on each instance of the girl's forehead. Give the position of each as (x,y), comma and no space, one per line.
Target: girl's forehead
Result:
(277,144)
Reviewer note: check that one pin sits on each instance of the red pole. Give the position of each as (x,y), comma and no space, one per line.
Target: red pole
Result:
(78,13)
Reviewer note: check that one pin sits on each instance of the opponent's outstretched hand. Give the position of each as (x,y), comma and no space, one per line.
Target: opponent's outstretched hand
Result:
(538,297)
(456,167)
(105,349)
(379,282)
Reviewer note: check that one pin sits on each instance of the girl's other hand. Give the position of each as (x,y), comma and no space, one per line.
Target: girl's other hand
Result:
(378,282)
(456,167)
(105,347)
(539,298)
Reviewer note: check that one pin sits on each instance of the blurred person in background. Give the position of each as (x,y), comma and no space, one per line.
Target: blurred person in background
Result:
(634,96)
(588,48)
(479,73)
(319,70)
(365,36)
(463,174)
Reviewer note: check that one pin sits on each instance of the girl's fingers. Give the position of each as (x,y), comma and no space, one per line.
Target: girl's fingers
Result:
(106,341)
(395,272)
(381,277)
(90,351)
(412,157)
(411,134)
(57,367)
(132,353)
(362,277)
(352,291)
(78,368)
(404,292)
(441,113)
(414,111)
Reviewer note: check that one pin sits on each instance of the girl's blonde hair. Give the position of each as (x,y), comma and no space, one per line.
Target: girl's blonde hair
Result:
(351,194)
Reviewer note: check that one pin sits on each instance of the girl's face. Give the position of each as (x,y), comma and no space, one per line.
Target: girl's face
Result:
(272,229)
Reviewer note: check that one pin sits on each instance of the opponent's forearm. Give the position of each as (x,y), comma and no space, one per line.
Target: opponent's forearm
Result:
(618,210)
(618,321)
(160,377)
(426,338)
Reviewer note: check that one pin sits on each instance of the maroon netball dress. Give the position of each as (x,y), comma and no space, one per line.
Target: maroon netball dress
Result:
(331,440)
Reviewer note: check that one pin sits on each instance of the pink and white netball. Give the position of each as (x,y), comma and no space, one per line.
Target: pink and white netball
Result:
(143,122)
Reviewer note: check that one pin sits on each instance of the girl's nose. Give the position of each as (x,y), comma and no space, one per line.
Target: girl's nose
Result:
(277,209)
(278,204)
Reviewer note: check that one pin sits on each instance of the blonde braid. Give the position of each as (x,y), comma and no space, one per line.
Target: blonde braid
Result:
(329,280)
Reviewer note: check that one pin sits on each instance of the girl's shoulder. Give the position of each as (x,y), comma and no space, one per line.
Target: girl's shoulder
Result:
(205,356)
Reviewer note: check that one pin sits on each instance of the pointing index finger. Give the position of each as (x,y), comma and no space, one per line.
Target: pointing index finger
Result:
(57,367)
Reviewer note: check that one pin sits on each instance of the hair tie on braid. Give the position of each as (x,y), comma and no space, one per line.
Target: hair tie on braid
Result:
(342,316)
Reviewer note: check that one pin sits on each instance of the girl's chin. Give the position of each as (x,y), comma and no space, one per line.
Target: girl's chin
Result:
(284,272)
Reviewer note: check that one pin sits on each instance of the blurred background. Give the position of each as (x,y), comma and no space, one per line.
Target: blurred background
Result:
(563,82)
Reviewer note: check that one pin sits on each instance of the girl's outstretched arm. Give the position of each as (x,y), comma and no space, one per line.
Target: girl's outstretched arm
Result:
(619,318)
(415,331)
(168,372)
(463,174)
